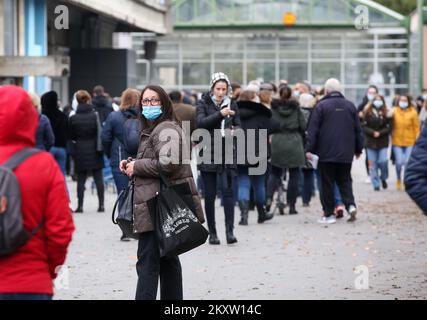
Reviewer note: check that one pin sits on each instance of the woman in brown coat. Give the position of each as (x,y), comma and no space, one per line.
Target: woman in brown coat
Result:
(161,146)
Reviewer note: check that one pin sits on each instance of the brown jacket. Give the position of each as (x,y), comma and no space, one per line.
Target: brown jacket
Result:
(153,152)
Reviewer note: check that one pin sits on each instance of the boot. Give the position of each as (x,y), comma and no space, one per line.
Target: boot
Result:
(229,234)
(79,207)
(262,214)
(268,205)
(244,211)
(213,238)
(292,209)
(101,204)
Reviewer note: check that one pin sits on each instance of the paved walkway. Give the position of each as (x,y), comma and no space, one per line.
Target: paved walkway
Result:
(289,257)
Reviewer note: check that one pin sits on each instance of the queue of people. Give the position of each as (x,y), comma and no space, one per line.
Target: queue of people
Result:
(293,131)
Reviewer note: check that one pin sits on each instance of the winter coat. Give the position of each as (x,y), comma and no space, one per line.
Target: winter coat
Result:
(406,127)
(152,154)
(112,135)
(31,268)
(186,112)
(84,130)
(44,135)
(103,106)
(334,131)
(255,116)
(58,119)
(209,117)
(373,122)
(287,145)
(416,172)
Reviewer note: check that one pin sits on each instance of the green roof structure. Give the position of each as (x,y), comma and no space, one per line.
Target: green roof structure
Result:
(271,13)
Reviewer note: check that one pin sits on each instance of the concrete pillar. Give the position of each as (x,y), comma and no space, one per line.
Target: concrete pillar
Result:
(1,28)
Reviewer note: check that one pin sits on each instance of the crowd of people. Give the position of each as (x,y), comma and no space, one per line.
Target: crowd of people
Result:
(311,135)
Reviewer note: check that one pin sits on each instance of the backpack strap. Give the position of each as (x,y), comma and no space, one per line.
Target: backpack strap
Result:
(19,157)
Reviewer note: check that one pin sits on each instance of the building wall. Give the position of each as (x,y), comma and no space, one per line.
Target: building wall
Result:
(186,59)
(1,27)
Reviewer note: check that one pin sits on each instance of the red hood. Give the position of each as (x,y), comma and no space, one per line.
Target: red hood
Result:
(18,117)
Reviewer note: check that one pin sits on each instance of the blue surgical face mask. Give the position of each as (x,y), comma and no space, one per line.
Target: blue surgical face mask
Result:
(403,105)
(370,97)
(152,113)
(297,94)
(378,104)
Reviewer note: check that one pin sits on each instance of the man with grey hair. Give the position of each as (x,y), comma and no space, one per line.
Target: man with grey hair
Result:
(335,135)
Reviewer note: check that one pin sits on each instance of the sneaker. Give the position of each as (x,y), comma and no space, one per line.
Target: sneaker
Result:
(339,211)
(384,184)
(352,211)
(327,220)
(398,185)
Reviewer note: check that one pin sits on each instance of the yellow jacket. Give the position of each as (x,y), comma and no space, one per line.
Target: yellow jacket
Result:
(406,127)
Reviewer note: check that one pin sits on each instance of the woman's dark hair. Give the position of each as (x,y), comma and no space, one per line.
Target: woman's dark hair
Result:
(285,93)
(372,86)
(168,113)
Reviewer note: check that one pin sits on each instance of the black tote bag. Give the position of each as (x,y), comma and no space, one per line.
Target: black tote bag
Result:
(173,213)
(124,204)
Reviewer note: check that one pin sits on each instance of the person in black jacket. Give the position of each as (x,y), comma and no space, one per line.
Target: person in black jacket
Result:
(84,131)
(101,103)
(377,130)
(253,116)
(416,172)
(112,137)
(371,93)
(59,123)
(335,135)
(216,112)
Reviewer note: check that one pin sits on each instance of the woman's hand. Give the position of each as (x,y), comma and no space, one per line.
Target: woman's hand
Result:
(122,166)
(376,134)
(227,112)
(129,169)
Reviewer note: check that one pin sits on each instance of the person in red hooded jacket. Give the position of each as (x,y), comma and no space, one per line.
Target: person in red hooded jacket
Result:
(28,273)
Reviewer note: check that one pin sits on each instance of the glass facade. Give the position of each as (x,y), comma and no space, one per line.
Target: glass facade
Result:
(187,57)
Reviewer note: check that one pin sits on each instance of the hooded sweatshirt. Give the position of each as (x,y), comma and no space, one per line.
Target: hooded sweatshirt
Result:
(58,119)
(31,268)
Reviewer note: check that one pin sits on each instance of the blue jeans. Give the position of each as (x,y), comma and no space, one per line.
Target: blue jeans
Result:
(120,180)
(401,155)
(378,159)
(246,181)
(25,296)
(60,155)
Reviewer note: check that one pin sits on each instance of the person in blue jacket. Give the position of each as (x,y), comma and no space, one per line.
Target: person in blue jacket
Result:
(45,139)
(416,172)
(113,137)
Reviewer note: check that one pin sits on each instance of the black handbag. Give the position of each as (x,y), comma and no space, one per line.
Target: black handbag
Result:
(173,213)
(124,204)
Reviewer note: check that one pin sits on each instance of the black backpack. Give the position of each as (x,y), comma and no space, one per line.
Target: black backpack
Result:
(12,232)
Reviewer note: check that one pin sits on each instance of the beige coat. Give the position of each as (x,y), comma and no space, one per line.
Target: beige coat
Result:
(153,152)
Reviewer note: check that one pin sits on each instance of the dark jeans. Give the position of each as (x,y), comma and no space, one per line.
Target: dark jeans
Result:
(274,181)
(339,173)
(308,185)
(24,296)
(99,181)
(150,267)
(210,188)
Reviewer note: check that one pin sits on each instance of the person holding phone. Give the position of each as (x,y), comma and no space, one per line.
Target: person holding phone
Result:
(217,112)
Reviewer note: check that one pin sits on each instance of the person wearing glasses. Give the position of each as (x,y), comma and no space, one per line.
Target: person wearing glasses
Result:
(161,145)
